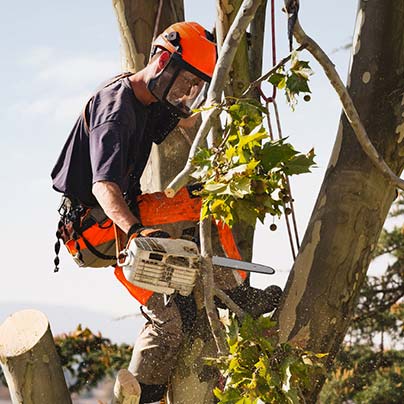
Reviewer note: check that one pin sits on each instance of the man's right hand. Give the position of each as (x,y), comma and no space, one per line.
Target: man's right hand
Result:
(150,232)
(138,230)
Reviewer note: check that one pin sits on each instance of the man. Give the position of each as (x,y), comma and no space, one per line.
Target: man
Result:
(103,159)
(99,173)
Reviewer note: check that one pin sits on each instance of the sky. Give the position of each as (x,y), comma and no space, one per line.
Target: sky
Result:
(53,55)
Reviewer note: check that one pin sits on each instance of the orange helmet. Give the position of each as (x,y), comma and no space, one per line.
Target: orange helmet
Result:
(192,42)
(190,68)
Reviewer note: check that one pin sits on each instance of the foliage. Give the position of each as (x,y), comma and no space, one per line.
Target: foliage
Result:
(244,176)
(380,311)
(89,358)
(294,81)
(260,370)
(364,375)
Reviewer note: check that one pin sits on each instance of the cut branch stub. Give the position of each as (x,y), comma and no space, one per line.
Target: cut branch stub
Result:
(29,360)
(126,389)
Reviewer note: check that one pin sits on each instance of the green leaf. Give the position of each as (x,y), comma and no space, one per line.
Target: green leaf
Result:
(276,78)
(215,187)
(253,138)
(302,68)
(273,153)
(297,84)
(300,164)
(239,169)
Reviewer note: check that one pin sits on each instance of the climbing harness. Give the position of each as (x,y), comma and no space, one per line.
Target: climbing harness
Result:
(87,233)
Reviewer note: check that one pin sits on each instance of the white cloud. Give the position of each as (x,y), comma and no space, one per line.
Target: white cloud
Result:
(56,71)
(77,71)
(60,83)
(37,56)
(52,108)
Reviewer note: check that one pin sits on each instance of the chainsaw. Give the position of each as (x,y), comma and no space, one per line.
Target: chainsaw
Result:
(167,265)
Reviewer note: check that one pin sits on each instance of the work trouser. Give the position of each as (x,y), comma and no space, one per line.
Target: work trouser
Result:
(156,349)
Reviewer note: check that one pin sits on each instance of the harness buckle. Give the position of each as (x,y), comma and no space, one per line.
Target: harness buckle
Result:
(65,206)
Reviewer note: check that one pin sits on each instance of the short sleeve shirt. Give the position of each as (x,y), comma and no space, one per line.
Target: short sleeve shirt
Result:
(115,148)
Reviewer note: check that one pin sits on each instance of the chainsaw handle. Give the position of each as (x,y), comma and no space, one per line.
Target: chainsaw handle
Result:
(125,257)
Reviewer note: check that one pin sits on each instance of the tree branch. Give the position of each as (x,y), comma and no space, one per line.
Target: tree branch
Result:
(273,69)
(347,105)
(244,16)
(228,301)
(209,285)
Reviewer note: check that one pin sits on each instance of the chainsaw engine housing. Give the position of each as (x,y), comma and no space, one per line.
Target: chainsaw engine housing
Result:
(161,265)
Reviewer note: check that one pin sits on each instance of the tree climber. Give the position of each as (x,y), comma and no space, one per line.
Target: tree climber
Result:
(99,170)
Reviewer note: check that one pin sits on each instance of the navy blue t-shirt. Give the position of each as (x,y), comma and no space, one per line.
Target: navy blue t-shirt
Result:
(116,149)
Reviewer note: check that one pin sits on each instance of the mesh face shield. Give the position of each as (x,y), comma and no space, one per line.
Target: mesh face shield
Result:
(179,85)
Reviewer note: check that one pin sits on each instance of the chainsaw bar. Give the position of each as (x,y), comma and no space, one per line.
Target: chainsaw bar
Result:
(244,266)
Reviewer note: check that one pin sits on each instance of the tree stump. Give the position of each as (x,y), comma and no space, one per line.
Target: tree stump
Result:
(127,388)
(29,360)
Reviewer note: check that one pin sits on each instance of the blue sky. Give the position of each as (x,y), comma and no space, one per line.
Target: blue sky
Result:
(53,55)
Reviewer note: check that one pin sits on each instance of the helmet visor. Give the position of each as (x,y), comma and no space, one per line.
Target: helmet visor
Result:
(184,90)
(178,85)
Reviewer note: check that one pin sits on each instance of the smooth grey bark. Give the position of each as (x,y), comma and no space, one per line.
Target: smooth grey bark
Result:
(136,21)
(29,360)
(355,197)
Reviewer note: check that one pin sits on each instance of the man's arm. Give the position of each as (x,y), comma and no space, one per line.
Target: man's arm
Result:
(109,196)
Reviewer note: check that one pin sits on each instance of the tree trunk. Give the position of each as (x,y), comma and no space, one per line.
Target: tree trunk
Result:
(137,24)
(193,380)
(355,198)
(29,360)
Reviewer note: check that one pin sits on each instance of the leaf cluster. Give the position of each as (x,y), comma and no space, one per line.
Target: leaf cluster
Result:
(294,81)
(89,358)
(244,176)
(260,370)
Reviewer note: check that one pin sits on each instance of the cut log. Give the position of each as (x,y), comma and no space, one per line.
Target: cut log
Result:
(127,388)
(29,360)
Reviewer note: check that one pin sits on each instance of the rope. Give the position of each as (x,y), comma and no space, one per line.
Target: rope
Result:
(278,124)
(157,22)
(268,101)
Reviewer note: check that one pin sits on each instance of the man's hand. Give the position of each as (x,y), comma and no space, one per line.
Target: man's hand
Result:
(138,230)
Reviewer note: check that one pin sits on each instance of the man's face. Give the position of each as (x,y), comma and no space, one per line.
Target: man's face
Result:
(185,90)
(176,83)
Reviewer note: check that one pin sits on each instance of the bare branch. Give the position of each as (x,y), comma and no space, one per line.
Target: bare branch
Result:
(347,105)
(234,307)
(265,76)
(209,285)
(239,26)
